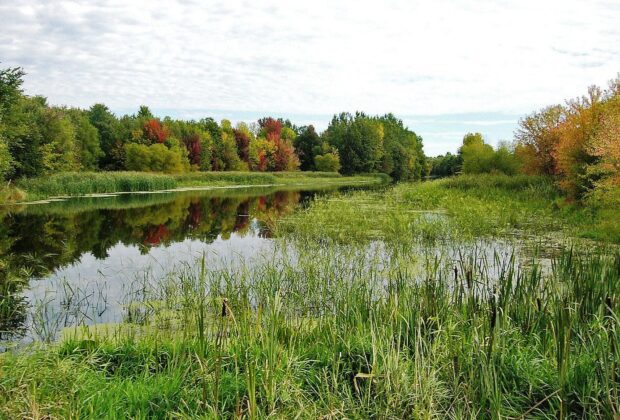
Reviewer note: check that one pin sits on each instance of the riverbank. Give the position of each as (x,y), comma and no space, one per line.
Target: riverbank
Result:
(89,183)
(411,302)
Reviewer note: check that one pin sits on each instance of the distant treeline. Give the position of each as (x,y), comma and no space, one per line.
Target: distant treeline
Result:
(37,139)
(578,143)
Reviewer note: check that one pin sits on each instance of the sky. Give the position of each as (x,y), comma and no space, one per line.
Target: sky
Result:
(445,67)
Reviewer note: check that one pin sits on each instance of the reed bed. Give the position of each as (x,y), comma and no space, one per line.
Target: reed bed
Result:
(85,183)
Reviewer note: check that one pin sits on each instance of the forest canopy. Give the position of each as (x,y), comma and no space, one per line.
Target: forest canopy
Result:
(38,139)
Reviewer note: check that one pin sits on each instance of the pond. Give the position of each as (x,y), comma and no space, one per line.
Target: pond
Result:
(68,262)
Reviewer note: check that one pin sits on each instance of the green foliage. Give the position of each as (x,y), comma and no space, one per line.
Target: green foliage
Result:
(329,162)
(307,145)
(87,140)
(6,160)
(43,140)
(479,157)
(59,150)
(376,144)
(443,166)
(108,128)
(155,158)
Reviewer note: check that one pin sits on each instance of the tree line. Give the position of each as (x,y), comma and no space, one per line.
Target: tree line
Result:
(37,139)
(577,142)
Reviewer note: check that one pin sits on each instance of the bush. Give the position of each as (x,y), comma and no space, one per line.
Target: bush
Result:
(155,158)
(329,162)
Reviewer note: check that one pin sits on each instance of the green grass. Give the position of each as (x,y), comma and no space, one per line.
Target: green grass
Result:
(463,207)
(84,183)
(316,336)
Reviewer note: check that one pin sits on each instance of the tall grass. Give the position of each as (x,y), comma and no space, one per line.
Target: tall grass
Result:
(84,183)
(81,183)
(309,333)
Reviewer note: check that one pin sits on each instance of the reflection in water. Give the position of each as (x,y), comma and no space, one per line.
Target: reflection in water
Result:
(78,242)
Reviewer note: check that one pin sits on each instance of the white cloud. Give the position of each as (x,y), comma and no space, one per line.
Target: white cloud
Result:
(321,57)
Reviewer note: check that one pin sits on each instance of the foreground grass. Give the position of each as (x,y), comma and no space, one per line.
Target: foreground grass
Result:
(84,183)
(315,336)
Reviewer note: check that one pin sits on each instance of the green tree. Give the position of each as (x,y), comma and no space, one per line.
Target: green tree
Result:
(328,162)
(477,156)
(6,160)
(307,145)
(11,80)
(108,128)
(87,140)
(359,141)
(155,158)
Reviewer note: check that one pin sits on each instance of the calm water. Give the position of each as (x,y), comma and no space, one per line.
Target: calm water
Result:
(84,253)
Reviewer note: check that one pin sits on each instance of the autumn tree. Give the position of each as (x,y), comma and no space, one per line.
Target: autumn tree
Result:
(537,138)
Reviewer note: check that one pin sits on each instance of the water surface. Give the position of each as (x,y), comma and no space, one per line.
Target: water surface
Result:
(78,257)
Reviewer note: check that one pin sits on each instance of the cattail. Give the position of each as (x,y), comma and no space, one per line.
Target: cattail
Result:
(224,307)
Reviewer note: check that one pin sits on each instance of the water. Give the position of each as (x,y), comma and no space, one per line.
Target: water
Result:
(71,262)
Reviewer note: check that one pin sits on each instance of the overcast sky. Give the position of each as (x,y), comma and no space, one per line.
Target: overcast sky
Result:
(444,66)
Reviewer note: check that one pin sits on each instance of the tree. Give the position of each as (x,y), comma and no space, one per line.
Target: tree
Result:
(108,127)
(605,145)
(242,138)
(11,80)
(328,162)
(153,131)
(359,141)
(307,145)
(155,158)
(448,165)
(59,149)
(271,151)
(572,154)
(537,138)
(479,157)
(6,160)
(87,140)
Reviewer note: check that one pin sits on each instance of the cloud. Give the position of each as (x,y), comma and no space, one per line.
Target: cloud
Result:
(414,58)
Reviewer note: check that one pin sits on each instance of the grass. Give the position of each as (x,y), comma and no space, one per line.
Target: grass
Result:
(369,307)
(463,207)
(84,183)
(316,336)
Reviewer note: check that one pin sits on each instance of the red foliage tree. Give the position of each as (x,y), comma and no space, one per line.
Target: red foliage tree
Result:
(271,127)
(194,149)
(243,145)
(154,131)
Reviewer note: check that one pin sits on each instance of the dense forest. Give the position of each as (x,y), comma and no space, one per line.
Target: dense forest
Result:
(37,139)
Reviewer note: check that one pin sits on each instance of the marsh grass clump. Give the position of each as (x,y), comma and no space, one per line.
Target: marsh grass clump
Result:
(69,183)
(452,209)
(345,331)
(85,183)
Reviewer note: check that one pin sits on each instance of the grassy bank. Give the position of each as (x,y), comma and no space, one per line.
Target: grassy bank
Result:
(84,183)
